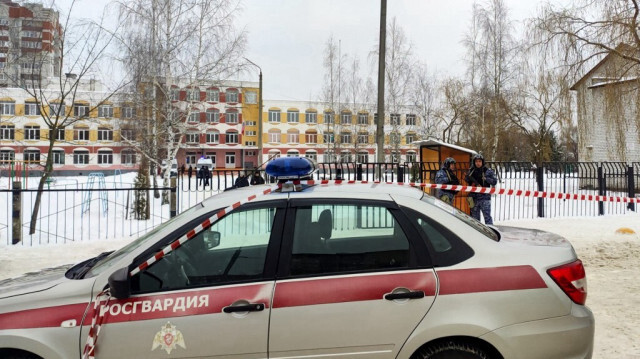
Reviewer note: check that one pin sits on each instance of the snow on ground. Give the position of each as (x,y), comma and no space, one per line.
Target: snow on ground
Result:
(611,262)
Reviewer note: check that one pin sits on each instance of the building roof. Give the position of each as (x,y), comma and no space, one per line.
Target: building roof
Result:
(433,142)
(620,48)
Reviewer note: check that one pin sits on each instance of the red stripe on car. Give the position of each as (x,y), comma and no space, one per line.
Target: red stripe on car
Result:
(478,280)
(350,289)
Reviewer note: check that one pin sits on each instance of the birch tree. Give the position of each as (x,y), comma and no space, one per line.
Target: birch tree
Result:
(423,101)
(333,89)
(172,45)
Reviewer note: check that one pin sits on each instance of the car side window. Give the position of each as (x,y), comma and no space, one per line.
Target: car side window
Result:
(347,238)
(231,250)
(446,248)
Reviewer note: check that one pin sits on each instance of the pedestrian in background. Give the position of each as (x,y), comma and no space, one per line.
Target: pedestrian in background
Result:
(190,172)
(481,176)
(241,181)
(256,179)
(447,175)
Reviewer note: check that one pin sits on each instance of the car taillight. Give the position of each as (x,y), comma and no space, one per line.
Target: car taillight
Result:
(572,280)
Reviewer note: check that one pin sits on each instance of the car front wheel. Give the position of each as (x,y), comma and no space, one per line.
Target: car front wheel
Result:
(451,349)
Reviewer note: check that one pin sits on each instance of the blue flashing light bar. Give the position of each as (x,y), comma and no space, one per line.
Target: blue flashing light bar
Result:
(290,167)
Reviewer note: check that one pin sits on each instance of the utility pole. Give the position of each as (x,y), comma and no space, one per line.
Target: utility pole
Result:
(381,74)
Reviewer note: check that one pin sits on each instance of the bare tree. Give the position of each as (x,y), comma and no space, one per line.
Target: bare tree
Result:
(55,82)
(333,89)
(171,45)
(423,98)
(453,109)
(492,52)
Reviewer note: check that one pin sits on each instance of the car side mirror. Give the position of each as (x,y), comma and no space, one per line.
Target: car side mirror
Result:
(211,239)
(120,283)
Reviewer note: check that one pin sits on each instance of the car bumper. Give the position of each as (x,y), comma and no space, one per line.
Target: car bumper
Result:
(567,337)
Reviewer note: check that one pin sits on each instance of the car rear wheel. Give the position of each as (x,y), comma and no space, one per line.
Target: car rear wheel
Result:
(451,349)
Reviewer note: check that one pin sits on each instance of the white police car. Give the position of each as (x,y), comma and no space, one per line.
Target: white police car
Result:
(312,271)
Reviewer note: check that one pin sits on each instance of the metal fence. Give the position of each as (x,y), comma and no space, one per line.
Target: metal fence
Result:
(78,212)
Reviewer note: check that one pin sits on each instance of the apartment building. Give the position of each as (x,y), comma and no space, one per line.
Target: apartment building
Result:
(29,51)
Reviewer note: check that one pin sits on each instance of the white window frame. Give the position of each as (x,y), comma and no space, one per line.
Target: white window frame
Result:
(194,117)
(31,156)
(105,111)
(192,137)
(230,158)
(57,109)
(274,116)
(345,137)
(105,157)
(32,133)
(311,117)
(345,118)
(81,134)
(363,119)
(363,138)
(410,119)
(58,157)
(128,157)
(231,117)
(7,108)
(105,134)
(213,137)
(293,116)
(31,109)
(80,110)
(213,95)
(7,132)
(231,138)
(213,115)
(293,137)
(275,136)
(232,96)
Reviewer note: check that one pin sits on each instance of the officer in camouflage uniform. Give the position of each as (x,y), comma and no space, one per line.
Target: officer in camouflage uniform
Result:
(481,176)
(446,175)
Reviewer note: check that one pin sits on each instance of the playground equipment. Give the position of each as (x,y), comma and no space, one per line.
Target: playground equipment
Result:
(86,203)
(18,171)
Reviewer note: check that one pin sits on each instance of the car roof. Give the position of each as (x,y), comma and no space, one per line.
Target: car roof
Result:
(372,191)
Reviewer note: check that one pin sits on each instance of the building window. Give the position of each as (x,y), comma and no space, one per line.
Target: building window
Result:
(293,116)
(191,158)
(31,109)
(105,111)
(232,95)
(31,132)
(127,134)
(213,95)
(31,156)
(212,157)
(395,119)
(105,157)
(363,138)
(31,44)
(311,117)
(362,157)
(128,112)
(230,159)
(7,132)
(80,110)
(251,97)
(231,117)
(231,137)
(394,138)
(293,153)
(175,94)
(411,120)
(213,137)
(363,119)
(395,157)
(7,108)
(56,110)
(32,34)
(328,117)
(58,157)
(58,134)
(128,157)
(194,117)
(193,137)
(250,143)
(193,94)
(411,157)
(328,137)
(105,134)
(311,137)
(213,115)
(329,156)
(274,136)
(345,118)
(345,157)
(293,136)
(274,116)
(250,133)
(345,137)
(7,155)
(312,155)
(249,123)
(410,137)
(81,134)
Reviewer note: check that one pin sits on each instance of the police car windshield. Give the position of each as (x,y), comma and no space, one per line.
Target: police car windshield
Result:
(109,261)
(447,208)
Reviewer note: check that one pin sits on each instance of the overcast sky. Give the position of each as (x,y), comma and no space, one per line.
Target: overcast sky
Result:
(286,38)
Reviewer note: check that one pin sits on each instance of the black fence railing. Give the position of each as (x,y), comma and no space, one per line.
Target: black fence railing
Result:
(78,212)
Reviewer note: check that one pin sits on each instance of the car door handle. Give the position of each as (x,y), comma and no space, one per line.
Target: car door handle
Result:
(251,307)
(406,295)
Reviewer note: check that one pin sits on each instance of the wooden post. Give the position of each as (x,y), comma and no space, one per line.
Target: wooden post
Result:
(16,225)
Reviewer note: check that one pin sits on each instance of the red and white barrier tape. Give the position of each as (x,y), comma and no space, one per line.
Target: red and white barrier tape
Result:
(488,190)
(102,300)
